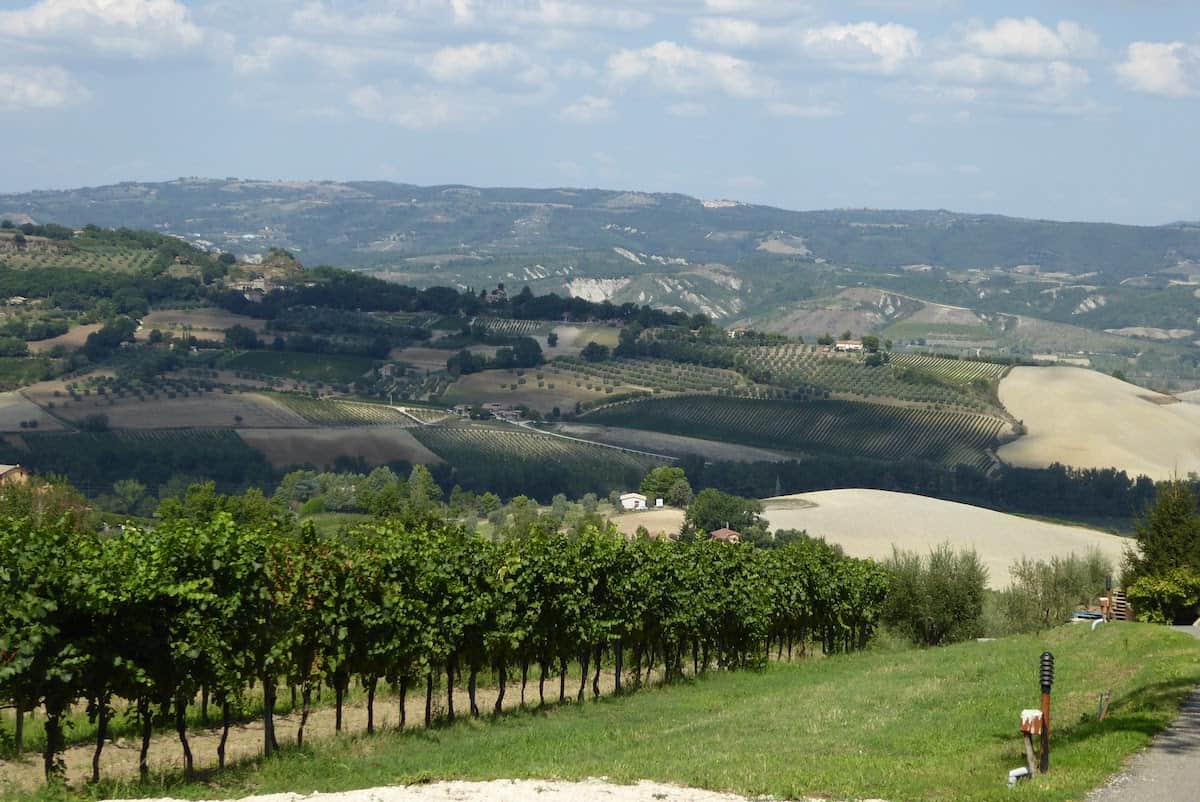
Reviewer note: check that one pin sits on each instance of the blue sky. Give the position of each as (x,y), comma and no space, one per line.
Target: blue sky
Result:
(1079,109)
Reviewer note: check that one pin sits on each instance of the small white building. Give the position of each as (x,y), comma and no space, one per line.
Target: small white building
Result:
(847,345)
(633,501)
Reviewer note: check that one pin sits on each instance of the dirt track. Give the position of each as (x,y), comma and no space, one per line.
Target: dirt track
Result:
(120,758)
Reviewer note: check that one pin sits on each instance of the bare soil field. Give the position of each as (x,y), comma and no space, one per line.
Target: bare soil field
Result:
(593,790)
(867,523)
(670,444)
(1089,420)
(483,387)
(284,448)
(204,323)
(666,521)
(15,408)
(73,339)
(946,315)
(202,410)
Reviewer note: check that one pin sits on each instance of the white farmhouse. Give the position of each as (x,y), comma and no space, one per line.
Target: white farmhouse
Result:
(633,501)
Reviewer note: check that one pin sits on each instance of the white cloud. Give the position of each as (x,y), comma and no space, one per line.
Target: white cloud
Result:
(141,29)
(734,32)
(33,88)
(588,109)
(858,47)
(687,110)
(559,14)
(1171,69)
(810,111)
(671,67)
(863,46)
(759,8)
(415,110)
(1028,38)
(459,64)
(286,53)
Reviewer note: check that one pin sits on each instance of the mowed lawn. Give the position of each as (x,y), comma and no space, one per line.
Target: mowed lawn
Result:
(936,724)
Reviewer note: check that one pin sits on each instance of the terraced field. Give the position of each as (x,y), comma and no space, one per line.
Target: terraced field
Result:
(501,458)
(959,371)
(919,378)
(336,412)
(849,428)
(513,328)
(653,374)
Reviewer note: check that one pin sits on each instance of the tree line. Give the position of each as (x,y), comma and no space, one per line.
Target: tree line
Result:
(219,604)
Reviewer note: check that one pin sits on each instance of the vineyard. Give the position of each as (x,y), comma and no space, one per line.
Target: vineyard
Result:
(925,379)
(147,619)
(958,371)
(426,415)
(508,327)
(336,412)
(509,461)
(848,428)
(658,375)
(95,257)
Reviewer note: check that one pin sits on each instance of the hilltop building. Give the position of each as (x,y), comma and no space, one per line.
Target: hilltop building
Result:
(633,501)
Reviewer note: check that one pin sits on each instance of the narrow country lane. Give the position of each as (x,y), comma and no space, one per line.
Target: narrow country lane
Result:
(1169,771)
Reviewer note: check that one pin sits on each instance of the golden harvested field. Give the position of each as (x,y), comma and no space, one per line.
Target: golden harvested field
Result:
(867,523)
(1089,420)
(204,323)
(666,521)
(670,444)
(15,408)
(75,338)
(284,448)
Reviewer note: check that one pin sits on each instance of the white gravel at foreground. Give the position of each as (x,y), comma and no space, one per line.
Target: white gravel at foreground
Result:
(511,791)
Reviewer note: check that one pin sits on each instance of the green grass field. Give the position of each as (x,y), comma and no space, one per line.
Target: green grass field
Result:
(333,368)
(939,724)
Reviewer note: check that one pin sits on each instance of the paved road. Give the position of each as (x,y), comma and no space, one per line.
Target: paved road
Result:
(1169,771)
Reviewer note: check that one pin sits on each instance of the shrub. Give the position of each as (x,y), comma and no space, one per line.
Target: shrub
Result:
(938,598)
(314,506)
(1044,594)
(1172,597)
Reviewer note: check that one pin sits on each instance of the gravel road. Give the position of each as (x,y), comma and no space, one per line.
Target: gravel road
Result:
(1169,771)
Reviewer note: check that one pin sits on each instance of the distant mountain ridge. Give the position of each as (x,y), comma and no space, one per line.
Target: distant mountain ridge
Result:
(376,224)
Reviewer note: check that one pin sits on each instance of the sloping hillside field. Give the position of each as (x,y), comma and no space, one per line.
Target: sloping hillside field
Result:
(867,523)
(850,428)
(934,725)
(1086,419)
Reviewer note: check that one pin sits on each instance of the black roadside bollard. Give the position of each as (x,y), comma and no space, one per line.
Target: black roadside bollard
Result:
(1047,678)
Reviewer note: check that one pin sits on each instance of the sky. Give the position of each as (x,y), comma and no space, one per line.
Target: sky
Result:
(1074,110)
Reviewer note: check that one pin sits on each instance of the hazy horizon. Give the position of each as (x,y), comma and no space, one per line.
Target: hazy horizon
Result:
(583,188)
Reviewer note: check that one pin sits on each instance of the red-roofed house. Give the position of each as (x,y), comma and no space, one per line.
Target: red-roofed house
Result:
(726,535)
